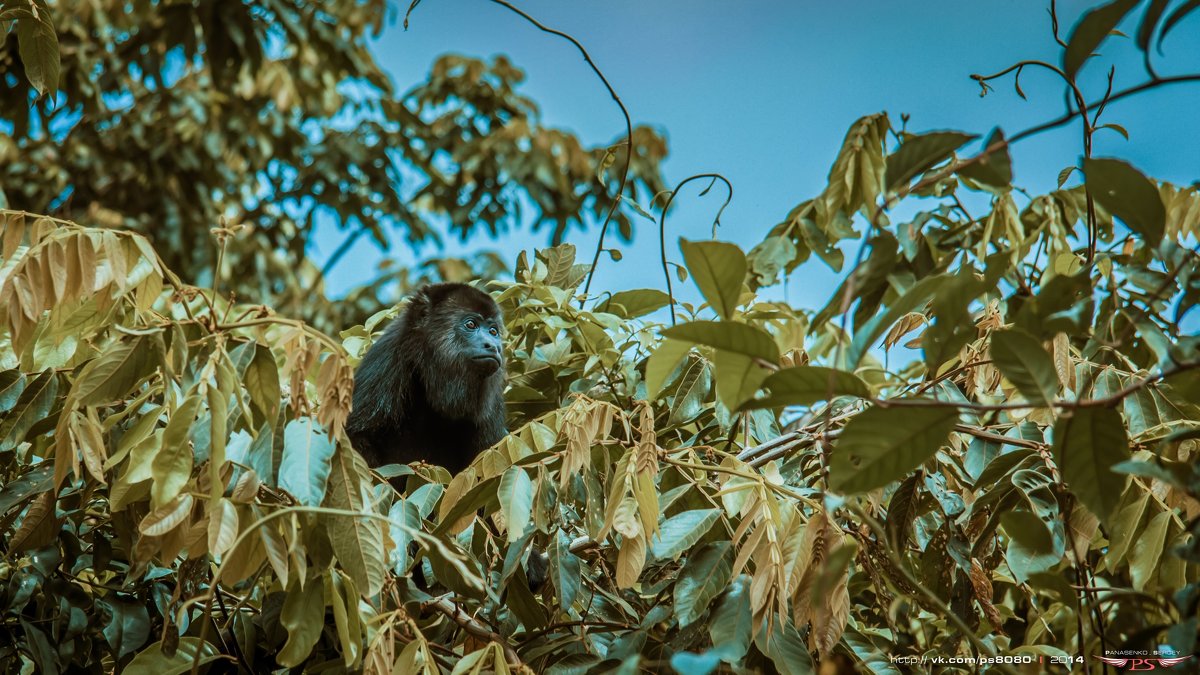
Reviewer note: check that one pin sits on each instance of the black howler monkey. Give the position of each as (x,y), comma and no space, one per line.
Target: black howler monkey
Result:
(432,387)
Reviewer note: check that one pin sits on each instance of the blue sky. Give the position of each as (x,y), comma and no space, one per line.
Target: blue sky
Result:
(763,92)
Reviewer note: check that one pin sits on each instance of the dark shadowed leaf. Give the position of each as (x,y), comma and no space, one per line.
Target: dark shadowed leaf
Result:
(128,625)
(39,52)
(881,445)
(920,153)
(731,625)
(1021,358)
(1150,22)
(12,383)
(1091,31)
(806,385)
(1087,443)
(914,297)
(1031,547)
(1127,194)
(993,169)
(1177,16)
(705,576)
(718,269)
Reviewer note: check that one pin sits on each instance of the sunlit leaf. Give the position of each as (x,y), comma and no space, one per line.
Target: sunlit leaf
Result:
(719,269)
(306,462)
(516,501)
(734,337)
(635,303)
(920,153)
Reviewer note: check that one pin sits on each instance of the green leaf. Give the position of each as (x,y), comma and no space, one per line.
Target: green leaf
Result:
(738,378)
(869,334)
(1087,443)
(1031,546)
(786,648)
(770,257)
(993,169)
(731,625)
(110,377)
(516,501)
(806,385)
(705,576)
(1021,358)
(306,462)
(1147,552)
(1127,194)
(718,269)
(881,445)
(635,303)
(262,383)
(152,661)
(357,542)
(39,52)
(303,615)
(689,395)
(662,363)
(172,464)
(565,571)
(1091,31)
(690,663)
(481,496)
(921,152)
(12,383)
(33,405)
(681,531)
(128,625)
(734,337)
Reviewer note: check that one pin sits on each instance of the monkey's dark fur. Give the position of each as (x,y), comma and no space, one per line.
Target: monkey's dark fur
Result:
(432,387)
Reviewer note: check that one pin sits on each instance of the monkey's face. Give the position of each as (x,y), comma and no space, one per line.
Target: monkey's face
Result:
(478,340)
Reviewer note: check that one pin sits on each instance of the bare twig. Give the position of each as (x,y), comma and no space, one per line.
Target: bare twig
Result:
(662,224)
(628,130)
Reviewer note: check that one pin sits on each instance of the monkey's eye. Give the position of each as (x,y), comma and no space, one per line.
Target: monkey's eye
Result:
(471,325)
(493,331)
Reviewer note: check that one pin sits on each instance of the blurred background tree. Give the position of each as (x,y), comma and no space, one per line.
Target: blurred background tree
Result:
(171,118)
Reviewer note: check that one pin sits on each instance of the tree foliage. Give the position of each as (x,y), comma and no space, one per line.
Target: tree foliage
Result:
(275,115)
(747,487)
